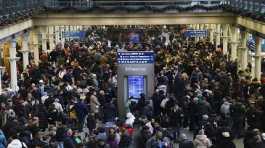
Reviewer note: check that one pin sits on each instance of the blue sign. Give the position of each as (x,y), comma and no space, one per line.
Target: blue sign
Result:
(74,34)
(251,44)
(196,33)
(135,86)
(135,57)
(134,38)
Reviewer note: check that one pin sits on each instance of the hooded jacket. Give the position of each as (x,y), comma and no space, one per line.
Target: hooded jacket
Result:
(16,144)
(201,141)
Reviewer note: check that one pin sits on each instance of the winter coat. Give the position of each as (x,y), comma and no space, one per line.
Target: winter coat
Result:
(94,104)
(2,140)
(225,144)
(125,141)
(186,144)
(201,141)
(68,142)
(16,144)
(81,110)
(225,108)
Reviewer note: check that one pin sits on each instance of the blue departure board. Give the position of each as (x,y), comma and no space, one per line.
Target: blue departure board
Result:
(135,86)
(196,33)
(135,57)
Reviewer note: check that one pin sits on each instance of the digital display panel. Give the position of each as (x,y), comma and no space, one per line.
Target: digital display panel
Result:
(135,86)
(135,57)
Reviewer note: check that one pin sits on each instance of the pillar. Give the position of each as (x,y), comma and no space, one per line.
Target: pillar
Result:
(244,51)
(218,35)
(2,69)
(1,65)
(63,31)
(25,50)
(13,64)
(225,38)
(51,38)
(197,27)
(211,31)
(44,39)
(234,44)
(57,35)
(258,58)
(1,53)
(35,47)
(201,27)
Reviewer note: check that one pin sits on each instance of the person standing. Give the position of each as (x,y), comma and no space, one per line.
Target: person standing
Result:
(202,141)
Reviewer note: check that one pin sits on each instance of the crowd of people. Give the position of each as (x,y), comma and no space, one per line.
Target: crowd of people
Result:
(69,99)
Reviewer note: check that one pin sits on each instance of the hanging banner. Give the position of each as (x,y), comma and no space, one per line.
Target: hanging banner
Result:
(196,33)
(251,44)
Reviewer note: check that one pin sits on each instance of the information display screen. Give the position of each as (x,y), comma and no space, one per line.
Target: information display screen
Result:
(135,57)
(135,86)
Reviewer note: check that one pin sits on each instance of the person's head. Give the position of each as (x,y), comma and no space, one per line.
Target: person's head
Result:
(112,131)
(201,132)
(159,134)
(101,92)
(257,135)
(183,136)
(69,132)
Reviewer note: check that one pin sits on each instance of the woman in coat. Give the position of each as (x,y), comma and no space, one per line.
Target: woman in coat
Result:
(202,141)
(94,103)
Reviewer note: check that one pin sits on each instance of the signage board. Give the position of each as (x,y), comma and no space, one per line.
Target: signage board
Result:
(74,34)
(135,57)
(196,33)
(136,86)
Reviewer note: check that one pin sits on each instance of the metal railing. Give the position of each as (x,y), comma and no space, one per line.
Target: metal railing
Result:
(10,6)
(246,6)
(16,9)
(12,11)
(131,3)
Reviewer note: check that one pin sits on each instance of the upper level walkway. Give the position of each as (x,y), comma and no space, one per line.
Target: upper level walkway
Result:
(133,12)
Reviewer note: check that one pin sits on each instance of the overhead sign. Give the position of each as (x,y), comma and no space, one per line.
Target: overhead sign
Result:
(196,33)
(135,57)
(74,34)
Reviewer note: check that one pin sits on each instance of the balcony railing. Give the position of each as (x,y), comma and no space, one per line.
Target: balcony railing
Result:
(250,8)
(13,10)
(127,4)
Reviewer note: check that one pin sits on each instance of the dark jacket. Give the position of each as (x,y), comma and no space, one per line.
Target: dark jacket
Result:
(68,142)
(225,143)
(186,144)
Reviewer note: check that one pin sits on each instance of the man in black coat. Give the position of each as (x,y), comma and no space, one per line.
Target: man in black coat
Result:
(179,87)
(185,142)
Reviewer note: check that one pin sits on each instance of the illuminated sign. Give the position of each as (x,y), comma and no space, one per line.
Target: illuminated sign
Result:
(196,33)
(135,57)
